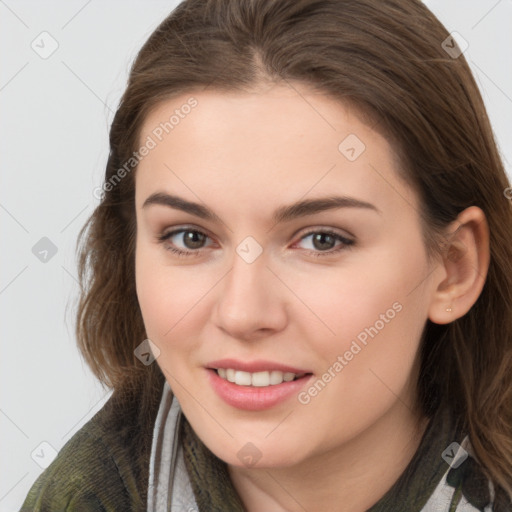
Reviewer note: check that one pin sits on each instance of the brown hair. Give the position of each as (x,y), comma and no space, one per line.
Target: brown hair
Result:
(387,59)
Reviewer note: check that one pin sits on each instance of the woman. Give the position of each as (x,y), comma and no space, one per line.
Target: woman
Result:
(297,280)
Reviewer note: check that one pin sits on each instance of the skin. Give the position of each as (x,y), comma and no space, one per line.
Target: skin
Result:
(243,155)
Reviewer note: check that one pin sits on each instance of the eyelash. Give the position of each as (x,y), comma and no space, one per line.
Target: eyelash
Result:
(346,243)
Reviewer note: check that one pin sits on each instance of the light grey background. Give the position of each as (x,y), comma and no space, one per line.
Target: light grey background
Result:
(55,114)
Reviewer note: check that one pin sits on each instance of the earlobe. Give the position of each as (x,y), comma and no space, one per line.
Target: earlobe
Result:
(465,261)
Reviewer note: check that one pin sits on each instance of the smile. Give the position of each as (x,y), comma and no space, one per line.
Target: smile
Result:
(257,379)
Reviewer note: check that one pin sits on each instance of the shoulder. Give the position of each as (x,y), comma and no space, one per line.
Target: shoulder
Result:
(79,477)
(104,466)
(465,485)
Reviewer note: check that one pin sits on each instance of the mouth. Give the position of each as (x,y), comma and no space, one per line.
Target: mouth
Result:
(261,379)
(258,373)
(256,385)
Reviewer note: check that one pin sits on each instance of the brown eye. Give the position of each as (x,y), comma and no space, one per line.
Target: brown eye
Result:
(193,239)
(185,242)
(324,242)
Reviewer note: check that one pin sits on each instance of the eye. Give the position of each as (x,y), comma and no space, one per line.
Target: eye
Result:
(323,242)
(191,240)
(188,242)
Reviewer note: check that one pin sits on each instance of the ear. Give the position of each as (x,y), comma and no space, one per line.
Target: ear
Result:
(465,261)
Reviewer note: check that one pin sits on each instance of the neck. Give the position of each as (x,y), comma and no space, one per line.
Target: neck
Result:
(357,474)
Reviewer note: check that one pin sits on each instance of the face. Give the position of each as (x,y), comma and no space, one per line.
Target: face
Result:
(332,293)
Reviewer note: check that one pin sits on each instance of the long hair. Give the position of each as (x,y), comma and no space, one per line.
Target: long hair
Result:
(390,60)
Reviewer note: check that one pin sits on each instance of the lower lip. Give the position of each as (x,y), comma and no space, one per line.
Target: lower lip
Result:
(253,398)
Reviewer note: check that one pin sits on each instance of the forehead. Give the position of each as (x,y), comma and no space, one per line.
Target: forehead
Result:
(275,144)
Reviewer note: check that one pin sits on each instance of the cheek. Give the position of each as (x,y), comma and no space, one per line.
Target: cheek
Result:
(343,301)
(171,298)
(159,301)
(369,319)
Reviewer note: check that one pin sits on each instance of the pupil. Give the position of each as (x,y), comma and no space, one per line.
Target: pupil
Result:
(321,238)
(193,239)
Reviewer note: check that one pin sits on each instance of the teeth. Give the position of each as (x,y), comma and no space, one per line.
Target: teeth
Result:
(261,379)
(276,378)
(257,379)
(243,378)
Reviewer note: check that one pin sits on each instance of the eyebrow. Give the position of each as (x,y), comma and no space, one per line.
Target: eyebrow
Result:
(282,214)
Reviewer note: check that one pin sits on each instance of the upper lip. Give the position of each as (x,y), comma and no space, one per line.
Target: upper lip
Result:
(254,366)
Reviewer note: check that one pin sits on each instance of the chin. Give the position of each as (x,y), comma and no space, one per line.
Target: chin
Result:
(258,455)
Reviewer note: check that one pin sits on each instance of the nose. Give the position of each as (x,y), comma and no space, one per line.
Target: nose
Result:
(251,302)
